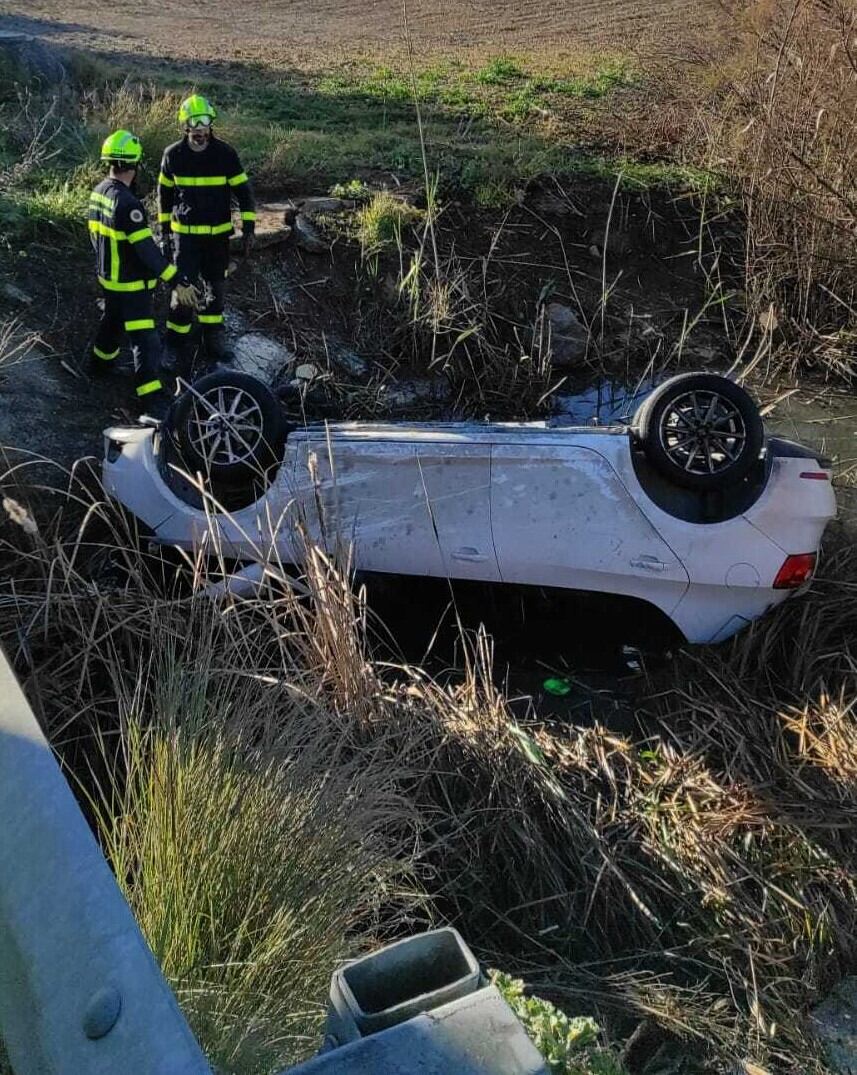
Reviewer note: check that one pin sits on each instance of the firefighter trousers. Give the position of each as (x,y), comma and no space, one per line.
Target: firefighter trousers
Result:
(131,312)
(203,259)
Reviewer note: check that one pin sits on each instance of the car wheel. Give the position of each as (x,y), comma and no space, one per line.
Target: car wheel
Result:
(700,431)
(228,426)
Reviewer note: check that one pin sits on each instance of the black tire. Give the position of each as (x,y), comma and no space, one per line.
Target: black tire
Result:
(227,426)
(700,431)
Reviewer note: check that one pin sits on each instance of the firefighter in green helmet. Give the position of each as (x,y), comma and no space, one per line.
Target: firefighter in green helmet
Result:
(200,177)
(129,266)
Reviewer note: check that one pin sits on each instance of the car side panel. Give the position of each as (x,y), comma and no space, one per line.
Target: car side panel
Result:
(405,507)
(561,517)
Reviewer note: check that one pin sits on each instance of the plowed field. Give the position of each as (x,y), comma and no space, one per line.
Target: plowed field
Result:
(301,32)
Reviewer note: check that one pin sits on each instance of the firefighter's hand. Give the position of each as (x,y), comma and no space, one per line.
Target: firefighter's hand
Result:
(248,241)
(186,292)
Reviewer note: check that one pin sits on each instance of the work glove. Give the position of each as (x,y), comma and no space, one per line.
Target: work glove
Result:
(186,292)
(166,245)
(248,241)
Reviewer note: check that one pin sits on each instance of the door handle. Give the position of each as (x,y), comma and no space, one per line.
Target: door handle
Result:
(467,552)
(649,563)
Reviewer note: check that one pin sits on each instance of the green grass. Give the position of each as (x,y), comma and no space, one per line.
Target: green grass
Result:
(309,131)
(381,220)
(499,71)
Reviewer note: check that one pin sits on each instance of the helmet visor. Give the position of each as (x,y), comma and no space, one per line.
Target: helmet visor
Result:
(199,121)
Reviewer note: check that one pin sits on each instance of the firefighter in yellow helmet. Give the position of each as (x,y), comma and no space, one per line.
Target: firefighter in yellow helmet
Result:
(200,177)
(129,266)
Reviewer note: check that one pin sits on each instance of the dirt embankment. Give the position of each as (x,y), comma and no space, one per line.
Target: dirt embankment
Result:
(526,282)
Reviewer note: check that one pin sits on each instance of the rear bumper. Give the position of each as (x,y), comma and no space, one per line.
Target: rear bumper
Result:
(131,475)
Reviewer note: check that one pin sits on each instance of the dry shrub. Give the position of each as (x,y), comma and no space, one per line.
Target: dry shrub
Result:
(256,850)
(704,878)
(781,126)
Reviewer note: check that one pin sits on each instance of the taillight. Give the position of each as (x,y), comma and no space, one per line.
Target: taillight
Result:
(796,570)
(816,475)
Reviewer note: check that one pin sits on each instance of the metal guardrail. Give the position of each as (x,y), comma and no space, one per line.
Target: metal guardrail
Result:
(81,993)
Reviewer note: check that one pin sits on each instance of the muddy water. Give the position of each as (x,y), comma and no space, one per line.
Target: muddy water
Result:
(826,420)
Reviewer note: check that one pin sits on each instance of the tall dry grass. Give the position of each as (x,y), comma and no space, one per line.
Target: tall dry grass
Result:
(779,124)
(703,879)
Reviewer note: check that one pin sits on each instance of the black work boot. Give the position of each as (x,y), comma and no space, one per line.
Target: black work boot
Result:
(218,353)
(97,366)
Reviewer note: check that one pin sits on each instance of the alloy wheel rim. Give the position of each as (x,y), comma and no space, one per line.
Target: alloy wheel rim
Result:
(702,432)
(225,426)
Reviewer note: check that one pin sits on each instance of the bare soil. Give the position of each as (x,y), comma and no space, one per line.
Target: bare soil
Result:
(289,33)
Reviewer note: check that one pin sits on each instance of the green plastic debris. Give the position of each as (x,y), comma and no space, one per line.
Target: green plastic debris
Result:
(557,686)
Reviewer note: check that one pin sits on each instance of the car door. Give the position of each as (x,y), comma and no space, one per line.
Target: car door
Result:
(562,517)
(404,506)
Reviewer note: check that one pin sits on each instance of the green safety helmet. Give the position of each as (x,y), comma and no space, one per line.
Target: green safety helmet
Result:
(194,107)
(122,147)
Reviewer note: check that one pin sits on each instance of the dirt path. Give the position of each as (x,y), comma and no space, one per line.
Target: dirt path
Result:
(315,32)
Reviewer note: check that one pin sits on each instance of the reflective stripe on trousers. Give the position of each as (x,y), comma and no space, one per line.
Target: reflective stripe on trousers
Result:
(131,313)
(204,259)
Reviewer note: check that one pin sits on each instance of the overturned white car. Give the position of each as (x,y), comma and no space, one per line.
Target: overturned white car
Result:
(689,509)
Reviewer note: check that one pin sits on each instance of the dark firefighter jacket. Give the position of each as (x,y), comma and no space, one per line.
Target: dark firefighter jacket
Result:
(195,190)
(127,258)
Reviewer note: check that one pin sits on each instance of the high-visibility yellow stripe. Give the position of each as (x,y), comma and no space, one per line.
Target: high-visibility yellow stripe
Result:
(102,200)
(247,214)
(149,386)
(114,259)
(169,272)
(210,319)
(201,229)
(164,181)
(200,180)
(163,218)
(103,229)
(136,236)
(181,329)
(139,325)
(103,354)
(126,285)
(237,180)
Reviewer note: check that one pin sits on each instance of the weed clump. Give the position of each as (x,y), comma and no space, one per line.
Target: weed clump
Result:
(569,1045)
(380,222)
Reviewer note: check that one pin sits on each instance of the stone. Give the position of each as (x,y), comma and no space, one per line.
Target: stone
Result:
(312,206)
(307,236)
(835,1023)
(705,353)
(350,362)
(261,356)
(15,294)
(306,372)
(569,339)
(271,228)
(415,392)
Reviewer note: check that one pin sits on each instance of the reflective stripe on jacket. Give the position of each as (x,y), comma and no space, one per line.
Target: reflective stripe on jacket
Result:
(196,190)
(126,256)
